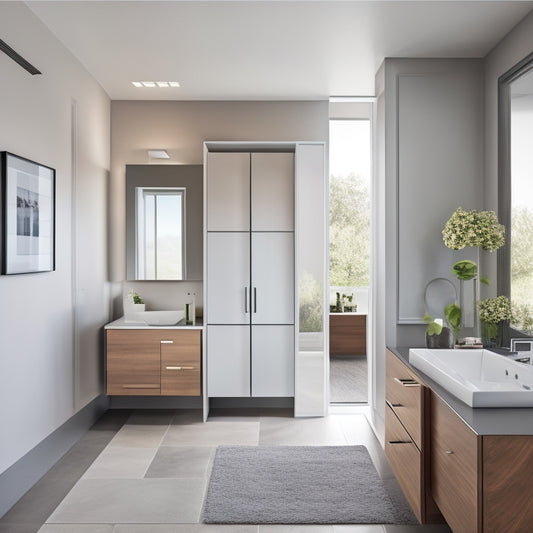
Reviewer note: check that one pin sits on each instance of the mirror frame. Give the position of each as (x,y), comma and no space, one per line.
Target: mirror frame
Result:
(504,168)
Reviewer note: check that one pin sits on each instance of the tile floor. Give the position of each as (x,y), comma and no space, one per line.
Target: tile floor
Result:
(164,457)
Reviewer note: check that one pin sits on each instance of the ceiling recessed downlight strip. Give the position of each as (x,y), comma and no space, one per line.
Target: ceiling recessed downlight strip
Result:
(151,84)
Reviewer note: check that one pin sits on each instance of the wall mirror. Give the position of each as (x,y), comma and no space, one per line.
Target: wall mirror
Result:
(164,217)
(515,189)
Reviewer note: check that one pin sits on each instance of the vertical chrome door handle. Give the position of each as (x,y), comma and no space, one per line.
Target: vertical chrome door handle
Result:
(246,300)
(255,299)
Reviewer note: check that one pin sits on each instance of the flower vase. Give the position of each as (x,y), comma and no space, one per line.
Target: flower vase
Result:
(468,294)
(445,340)
(489,334)
(503,339)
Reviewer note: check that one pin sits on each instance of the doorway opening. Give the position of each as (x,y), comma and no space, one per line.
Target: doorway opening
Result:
(350,156)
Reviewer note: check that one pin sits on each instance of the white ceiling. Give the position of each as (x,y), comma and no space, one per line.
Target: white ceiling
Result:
(247,50)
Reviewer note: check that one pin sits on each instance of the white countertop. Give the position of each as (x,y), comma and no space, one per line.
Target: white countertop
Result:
(121,323)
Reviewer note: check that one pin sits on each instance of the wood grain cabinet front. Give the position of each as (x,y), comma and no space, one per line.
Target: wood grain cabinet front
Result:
(181,365)
(406,439)
(156,362)
(455,472)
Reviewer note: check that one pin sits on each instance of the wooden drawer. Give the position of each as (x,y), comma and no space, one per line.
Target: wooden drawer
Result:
(404,394)
(406,462)
(133,362)
(454,469)
(181,364)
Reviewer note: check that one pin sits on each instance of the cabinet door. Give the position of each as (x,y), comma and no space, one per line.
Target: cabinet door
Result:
(133,362)
(181,363)
(273,361)
(272,183)
(228,191)
(228,278)
(455,475)
(272,278)
(228,361)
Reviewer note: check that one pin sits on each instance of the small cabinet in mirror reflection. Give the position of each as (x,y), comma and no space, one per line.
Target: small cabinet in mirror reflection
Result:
(164,216)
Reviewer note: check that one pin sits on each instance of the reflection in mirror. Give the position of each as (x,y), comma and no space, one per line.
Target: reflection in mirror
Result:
(159,197)
(160,237)
(515,273)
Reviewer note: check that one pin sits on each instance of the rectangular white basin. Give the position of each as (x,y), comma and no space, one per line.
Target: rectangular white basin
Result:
(480,378)
(155,318)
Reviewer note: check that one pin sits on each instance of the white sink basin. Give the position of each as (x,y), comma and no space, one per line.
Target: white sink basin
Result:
(155,318)
(480,378)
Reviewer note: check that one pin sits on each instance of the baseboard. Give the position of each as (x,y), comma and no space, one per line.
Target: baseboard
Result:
(155,402)
(247,403)
(20,477)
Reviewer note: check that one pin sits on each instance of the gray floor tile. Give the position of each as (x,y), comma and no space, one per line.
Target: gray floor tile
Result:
(153,417)
(184,528)
(19,528)
(213,434)
(187,416)
(301,432)
(358,528)
(427,528)
(118,462)
(77,528)
(127,501)
(296,529)
(180,462)
(139,436)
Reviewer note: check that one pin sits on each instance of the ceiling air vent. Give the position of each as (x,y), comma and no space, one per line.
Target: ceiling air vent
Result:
(4,47)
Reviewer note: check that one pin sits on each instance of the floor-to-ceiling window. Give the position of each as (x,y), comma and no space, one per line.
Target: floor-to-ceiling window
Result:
(349,251)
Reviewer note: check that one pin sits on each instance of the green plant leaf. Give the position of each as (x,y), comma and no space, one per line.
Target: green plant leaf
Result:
(465,269)
(485,280)
(453,314)
(434,329)
(427,319)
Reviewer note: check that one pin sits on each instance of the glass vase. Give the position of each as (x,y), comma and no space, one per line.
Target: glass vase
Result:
(489,334)
(468,294)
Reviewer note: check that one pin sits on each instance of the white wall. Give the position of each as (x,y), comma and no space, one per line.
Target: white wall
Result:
(181,128)
(45,376)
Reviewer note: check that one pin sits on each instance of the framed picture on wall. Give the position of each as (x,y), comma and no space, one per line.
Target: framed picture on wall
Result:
(28,215)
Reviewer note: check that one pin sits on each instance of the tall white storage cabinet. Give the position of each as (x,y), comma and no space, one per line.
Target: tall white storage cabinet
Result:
(250,274)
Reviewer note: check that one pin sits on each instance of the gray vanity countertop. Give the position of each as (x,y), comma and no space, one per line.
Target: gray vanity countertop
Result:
(483,421)
(121,323)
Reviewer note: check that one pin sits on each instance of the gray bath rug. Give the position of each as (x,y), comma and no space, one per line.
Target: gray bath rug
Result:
(299,485)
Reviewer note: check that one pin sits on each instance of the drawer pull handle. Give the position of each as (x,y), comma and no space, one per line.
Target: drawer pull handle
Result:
(407,382)
(140,386)
(392,405)
(399,442)
(179,367)
(167,342)
(449,452)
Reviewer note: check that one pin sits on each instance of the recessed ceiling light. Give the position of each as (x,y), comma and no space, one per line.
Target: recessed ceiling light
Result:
(155,83)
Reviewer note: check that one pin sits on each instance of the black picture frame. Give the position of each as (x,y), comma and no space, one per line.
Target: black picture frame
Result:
(28,215)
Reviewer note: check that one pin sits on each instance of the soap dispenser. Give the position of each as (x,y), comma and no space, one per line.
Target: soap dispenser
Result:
(190,309)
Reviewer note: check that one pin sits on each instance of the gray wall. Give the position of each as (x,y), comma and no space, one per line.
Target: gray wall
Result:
(51,323)
(429,161)
(516,45)
(181,128)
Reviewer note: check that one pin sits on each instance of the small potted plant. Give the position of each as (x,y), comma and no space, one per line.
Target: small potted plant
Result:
(437,335)
(495,315)
(133,303)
